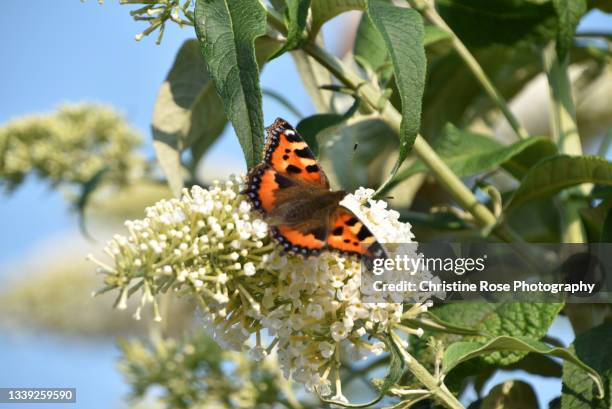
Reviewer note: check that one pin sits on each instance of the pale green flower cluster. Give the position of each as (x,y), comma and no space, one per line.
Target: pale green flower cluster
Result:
(196,373)
(71,146)
(210,245)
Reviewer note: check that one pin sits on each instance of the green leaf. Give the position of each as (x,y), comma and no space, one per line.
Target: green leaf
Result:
(483,22)
(595,219)
(316,124)
(511,394)
(353,150)
(593,348)
(402,31)
(227,30)
(556,173)
(530,320)
(313,125)
(536,222)
(370,49)
(295,18)
(187,112)
(325,10)
(569,13)
(468,153)
(462,351)
(434,34)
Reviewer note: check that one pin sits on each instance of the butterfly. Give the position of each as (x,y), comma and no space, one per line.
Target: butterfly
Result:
(291,191)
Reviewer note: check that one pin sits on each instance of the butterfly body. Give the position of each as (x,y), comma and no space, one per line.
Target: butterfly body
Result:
(291,191)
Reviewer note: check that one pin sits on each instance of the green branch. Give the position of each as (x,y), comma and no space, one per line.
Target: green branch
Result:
(565,133)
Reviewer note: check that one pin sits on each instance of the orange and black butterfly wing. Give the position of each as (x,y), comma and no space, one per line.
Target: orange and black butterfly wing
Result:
(262,185)
(307,239)
(288,153)
(349,235)
(272,194)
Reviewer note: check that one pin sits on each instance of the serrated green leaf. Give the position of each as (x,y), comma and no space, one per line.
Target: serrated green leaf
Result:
(402,32)
(530,320)
(227,30)
(463,351)
(483,22)
(569,13)
(325,10)
(296,13)
(593,348)
(556,173)
(468,153)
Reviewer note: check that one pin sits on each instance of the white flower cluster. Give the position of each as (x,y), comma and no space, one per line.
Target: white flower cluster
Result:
(210,243)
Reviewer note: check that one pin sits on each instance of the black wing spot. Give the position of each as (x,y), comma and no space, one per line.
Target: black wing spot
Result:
(346,240)
(287,150)
(355,243)
(352,221)
(293,169)
(319,233)
(364,233)
(285,157)
(312,168)
(304,153)
(293,137)
(282,181)
(337,231)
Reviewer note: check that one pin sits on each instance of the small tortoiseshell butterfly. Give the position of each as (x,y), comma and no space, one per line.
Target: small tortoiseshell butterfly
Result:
(291,191)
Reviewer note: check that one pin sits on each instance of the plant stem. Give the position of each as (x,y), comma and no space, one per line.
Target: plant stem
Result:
(565,133)
(428,10)
(437,388)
